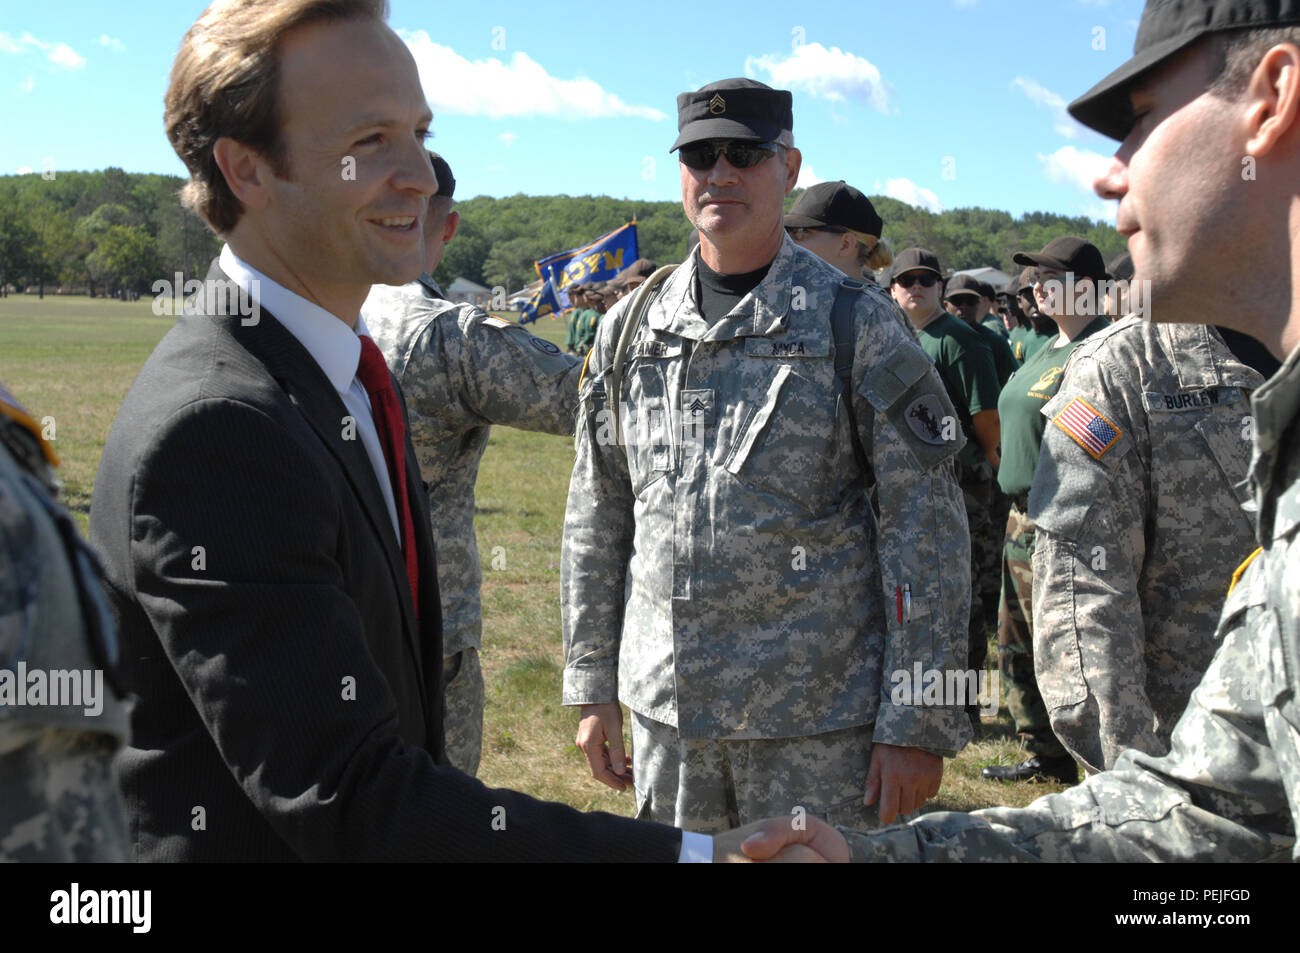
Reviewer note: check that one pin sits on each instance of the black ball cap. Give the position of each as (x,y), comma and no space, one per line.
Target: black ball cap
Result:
(915,259)
(1121,268)
(963,285)
(836,204)
(1168,27)
(733,109)
(446,181)
(1067,253)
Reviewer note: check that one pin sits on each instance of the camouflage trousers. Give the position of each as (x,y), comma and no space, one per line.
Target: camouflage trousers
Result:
(978,487)
(59,800)
(1016,640)
(710,785)
(462,690)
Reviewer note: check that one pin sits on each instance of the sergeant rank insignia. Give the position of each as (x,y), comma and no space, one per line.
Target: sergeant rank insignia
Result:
(1087,428)
(717,105)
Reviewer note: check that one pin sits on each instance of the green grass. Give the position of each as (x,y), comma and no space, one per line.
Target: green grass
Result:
(73,359)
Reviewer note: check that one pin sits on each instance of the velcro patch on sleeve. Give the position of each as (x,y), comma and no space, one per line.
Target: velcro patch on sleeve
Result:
(1089,429)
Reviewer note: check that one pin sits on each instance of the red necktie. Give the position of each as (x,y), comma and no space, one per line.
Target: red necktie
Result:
(373,373)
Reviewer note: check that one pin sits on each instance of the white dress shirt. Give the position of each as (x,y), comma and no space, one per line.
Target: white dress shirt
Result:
(334,346)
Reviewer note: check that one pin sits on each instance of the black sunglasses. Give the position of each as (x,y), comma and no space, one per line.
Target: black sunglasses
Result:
(924,279)
(701,156)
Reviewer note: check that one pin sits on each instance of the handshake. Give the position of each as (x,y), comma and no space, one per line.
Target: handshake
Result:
(781,840)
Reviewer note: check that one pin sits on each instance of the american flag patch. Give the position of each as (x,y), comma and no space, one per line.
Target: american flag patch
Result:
(1087,428)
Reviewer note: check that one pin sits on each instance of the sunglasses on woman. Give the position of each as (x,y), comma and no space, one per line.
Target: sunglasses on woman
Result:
(924,279)
(702,156)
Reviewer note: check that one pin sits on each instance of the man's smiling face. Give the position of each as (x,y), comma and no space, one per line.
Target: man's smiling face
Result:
(351,99)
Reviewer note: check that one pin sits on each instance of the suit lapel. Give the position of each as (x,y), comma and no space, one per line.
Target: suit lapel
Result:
(311,392)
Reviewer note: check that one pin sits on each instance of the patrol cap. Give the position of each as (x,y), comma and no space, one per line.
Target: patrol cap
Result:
(1067,253)
(1168,27)
(962,285)
(839,205)
(735,109)
(913,259)
(442,171)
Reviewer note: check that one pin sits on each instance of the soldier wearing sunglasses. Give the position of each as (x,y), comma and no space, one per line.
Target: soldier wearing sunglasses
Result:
(724,573)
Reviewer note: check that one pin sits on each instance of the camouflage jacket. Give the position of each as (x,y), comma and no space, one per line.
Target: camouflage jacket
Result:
(1137,542)
(723,571)
(462,370)
(1229,789)
(61,719)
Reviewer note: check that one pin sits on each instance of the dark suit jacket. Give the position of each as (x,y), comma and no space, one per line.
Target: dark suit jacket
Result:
(288,705)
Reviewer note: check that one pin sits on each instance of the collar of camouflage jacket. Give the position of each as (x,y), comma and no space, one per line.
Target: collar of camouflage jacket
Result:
(764,312)
(1275,406)
(1199,364)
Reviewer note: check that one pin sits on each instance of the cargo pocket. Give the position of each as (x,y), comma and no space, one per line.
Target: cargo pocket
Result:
(647,431)
(1058,660)
(1230,451)
(785,446)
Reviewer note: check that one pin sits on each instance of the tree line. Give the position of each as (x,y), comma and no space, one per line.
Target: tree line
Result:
(110,231)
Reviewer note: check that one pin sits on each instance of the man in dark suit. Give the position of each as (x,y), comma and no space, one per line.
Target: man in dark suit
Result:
(258,508)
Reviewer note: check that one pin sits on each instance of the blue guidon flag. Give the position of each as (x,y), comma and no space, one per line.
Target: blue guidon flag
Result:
(599,261)
(1087,428)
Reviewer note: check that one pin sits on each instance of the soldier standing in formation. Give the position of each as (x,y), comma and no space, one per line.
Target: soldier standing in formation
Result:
(724,573)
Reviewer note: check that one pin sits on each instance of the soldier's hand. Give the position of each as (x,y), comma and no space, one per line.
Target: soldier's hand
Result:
(902,778)
(600,738)
(781,840)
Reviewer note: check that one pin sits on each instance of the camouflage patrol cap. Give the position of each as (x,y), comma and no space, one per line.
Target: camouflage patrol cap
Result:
(735,109)
(1167,28)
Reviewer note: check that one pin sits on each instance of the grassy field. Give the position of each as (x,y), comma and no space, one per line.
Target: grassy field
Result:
(73,360)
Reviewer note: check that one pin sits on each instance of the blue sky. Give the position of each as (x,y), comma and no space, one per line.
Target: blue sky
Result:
(943,103)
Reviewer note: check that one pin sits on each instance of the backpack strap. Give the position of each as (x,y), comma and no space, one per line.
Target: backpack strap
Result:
(641,299)
(846,296)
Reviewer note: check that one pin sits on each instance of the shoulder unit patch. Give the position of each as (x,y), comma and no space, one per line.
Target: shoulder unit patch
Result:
(1087,428)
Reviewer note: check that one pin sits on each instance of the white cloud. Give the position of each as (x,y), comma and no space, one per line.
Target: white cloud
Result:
(522,87)
(508,138)
(24,170)
(905,190)
(27,85)
(1099,210)
(60,54)
(807,176)
(1071,166)
(1052,102)
(110,42)
(830,74)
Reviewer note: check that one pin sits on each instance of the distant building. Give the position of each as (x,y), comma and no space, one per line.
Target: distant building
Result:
(994,276)
(462,290)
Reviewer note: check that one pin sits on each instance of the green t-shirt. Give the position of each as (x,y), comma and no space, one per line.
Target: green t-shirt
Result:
(1003,362)
(1034,342)
(588,321)
(1020,410)
(1016,340)
(965,365)
(571,328)
(994,324)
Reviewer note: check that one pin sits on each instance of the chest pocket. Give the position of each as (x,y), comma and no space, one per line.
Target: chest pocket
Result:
(647,429)
(1228,438)
(787,445)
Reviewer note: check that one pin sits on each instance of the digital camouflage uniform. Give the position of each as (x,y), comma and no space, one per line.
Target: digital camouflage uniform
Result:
(1229,789)
(1135,543)
(727,579)
(463,370)
(1023,427)
(59,799)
